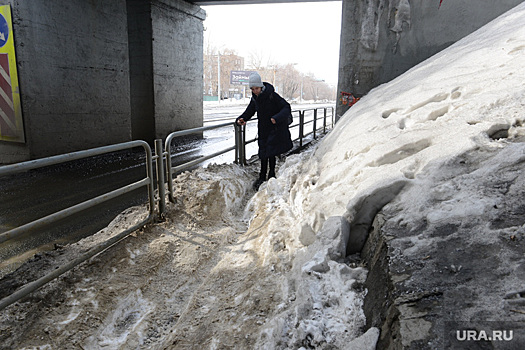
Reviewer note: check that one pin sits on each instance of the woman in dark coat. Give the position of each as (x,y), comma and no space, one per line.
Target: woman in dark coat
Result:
(273,116)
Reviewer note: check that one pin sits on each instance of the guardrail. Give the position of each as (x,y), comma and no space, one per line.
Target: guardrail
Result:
(164,174)
(239,146)
(39,163)
(167,147)
(304,120)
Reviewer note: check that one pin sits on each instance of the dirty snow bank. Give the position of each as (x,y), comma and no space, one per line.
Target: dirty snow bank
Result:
(468,98)
(134,294)
(279,285)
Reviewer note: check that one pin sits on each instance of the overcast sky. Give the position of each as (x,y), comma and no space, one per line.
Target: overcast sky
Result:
(304,33)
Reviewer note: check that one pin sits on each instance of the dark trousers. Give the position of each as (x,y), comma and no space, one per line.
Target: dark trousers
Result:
(264,167)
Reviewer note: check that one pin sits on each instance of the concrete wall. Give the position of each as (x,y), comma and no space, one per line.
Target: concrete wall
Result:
(165,50)
(177,65)
(73,72)
(141,70)
(381,39)
(100,72)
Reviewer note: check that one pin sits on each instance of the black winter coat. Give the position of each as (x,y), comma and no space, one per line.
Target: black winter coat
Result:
(274,139)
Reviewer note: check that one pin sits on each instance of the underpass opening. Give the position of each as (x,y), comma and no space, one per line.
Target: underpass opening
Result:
(293,45)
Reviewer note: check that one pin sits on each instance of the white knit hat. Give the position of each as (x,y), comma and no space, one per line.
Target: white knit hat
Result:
(255,80)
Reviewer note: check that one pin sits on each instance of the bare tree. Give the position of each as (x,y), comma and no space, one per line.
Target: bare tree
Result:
(290,81)
(258,60)
(209,69)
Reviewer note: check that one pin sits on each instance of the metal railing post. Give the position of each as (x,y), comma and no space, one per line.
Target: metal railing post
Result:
(315,123)
(169,170)
(159,153)
(243,144)
(301,128)
(324,121)
(237,143)
(240,144)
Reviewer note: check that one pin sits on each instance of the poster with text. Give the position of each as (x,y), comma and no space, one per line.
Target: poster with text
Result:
(11,122)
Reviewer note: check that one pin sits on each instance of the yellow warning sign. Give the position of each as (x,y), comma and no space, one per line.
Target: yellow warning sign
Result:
(11,122)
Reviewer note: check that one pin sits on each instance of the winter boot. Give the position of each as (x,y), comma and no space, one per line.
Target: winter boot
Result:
(272,162)
(258,183)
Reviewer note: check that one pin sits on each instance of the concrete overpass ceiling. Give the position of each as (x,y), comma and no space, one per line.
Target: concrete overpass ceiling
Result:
(251,2)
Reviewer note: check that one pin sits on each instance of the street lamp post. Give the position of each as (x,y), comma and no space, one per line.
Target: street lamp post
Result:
(302,81)
(219,76)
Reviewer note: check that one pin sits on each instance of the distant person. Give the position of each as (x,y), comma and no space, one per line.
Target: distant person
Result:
(274,115)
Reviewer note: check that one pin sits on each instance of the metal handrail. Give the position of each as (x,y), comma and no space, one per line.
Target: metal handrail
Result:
(240,155)
(239,148)
(301,124)
(315,119)
(39,163)
(170,170)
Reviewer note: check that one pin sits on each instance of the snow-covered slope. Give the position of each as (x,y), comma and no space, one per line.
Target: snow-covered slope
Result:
(451,103)
(468,98)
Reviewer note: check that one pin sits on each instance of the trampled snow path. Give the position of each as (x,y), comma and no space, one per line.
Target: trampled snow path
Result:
(199,279)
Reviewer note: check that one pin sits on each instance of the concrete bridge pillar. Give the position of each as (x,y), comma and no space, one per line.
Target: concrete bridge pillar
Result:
(93,73)
(165,53)
(381,39)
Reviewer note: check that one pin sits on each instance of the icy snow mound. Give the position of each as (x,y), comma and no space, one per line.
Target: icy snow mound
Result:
(211,193)
(467,97)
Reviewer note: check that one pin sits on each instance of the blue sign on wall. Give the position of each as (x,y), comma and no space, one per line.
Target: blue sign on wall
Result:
(4,31)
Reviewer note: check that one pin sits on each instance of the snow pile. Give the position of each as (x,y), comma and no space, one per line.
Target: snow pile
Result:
(213,192)
(469,97)
(458,100)
(319,301)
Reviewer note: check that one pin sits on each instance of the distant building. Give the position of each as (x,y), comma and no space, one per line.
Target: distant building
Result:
(225,62)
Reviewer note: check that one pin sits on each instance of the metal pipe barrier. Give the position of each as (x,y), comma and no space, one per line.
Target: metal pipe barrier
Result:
(167,153)
(240,132)
(239,147)
(32,286)
(159,161)
(169,170)
(39,163)
(303,122)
